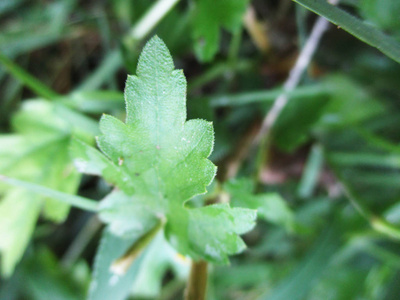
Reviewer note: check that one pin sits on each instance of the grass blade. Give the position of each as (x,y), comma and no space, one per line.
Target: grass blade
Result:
(300,282)
(31,82)
(363,31)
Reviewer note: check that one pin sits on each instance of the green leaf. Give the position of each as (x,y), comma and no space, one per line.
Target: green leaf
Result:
(270,206)
(293,126)
(105,284)
(311,172)
(18,214)
(37,153)
(363,31)
(214,229)
(157,260)
(127,217)
(158,161)
(209,17)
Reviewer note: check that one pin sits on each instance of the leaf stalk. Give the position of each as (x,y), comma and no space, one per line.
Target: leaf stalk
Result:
(197,284)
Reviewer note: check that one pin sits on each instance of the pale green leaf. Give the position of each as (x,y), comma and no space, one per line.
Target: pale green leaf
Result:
(127,215)
(36,153)
(214,229)
(105,284)
(157,260)
(158,161)
(19,211)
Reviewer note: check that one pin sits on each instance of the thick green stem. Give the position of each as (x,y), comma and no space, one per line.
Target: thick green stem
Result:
(197,284)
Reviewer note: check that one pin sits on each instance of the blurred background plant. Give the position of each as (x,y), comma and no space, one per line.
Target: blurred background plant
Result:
(326,185)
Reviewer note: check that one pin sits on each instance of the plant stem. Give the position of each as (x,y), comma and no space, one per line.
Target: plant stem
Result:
(263,138)
(122,264)
(376,222)
(321,25)
(74,200)
(197,284)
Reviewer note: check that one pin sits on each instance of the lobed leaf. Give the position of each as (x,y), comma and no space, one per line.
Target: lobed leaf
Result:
(158,161)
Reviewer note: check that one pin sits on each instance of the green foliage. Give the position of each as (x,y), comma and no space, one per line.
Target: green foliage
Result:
(36,152)
(106,284)
(270,206)
(293,125)
(299,283)
(326,193)
(384,13)
(209,17)
(39,276)
(158,162)
(19,212)
(365,32)
(155,264)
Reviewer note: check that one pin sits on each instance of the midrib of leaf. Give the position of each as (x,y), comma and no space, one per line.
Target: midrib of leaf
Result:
(160,194)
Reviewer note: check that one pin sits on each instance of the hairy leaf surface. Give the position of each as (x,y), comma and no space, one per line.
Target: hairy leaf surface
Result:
(158,161)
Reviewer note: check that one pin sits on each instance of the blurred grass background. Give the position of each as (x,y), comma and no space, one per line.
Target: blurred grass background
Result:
(333,161)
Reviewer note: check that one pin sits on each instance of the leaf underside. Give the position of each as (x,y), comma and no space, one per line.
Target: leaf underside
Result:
(158,161)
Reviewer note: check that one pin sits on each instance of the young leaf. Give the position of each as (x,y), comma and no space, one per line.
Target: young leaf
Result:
(209,17)
(158,161)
